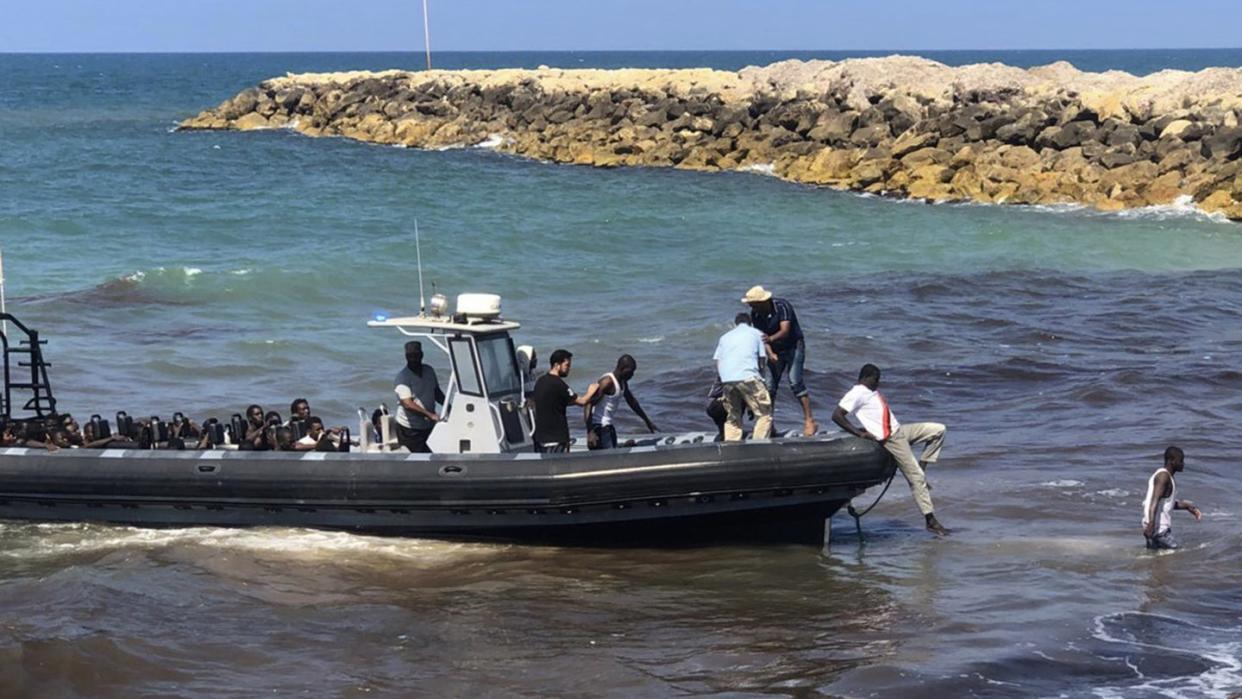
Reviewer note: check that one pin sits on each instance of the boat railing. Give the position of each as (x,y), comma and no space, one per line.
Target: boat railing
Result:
(24,354)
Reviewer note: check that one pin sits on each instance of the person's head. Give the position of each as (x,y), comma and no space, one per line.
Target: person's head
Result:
(626,366)
(271,418)
(561,362)
(315,428)
(1174,459)
(8,434)
(759,299)
(414,354)
(869,376)
(284,438)
(68,424)
(254,413)
(299,409)
(741,319)
(64,439)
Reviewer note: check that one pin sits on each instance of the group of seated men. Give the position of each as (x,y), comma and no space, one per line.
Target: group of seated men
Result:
(256,431)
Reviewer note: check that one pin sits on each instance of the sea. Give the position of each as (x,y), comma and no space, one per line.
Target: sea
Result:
(202,271)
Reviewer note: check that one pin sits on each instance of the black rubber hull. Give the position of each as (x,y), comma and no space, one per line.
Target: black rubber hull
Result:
(777,489)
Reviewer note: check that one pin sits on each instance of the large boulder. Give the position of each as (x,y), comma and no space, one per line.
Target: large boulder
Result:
(911,141)
(833,127)
(1075,133)
(871,135)
(1225,144)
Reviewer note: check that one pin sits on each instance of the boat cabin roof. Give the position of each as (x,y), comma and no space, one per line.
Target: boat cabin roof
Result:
(445,324)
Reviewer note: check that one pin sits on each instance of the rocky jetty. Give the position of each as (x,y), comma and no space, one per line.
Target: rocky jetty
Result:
(900,126)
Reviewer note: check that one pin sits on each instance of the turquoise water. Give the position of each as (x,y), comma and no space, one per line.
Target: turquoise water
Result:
(204,271)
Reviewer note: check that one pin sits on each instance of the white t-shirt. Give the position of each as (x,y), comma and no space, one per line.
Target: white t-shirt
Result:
(871,410)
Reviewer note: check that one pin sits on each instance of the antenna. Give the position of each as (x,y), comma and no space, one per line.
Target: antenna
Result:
(418,248)
(426,35)
(4,324)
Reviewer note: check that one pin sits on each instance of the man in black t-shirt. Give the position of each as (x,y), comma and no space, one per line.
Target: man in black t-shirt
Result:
(776,319)
(551,396)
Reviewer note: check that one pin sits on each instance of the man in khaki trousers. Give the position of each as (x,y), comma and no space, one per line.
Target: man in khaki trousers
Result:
(865,403)
(740,354)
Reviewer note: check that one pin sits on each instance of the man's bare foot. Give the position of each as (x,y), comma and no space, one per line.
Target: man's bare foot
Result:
(935,527)
(809,428)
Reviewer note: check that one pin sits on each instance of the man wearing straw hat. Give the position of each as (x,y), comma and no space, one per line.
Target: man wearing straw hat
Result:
(776,319)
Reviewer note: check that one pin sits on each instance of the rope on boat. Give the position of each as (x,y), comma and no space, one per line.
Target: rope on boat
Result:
(859,515)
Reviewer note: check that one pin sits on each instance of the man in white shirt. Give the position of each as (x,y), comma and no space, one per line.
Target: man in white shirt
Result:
(879,424)
(740,357)
(418,393)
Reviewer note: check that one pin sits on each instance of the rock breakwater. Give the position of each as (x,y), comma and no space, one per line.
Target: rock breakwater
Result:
(900,126)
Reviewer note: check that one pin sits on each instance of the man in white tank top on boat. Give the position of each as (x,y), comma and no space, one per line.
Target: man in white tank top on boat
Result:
(1162,499)
(865,403)
(602,399)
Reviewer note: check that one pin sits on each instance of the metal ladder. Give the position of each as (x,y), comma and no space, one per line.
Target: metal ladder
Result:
(27,353)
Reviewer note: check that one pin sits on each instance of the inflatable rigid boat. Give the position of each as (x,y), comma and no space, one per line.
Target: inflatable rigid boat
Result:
(483,479)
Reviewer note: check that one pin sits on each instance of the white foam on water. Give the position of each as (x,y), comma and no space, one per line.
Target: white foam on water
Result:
(1113,493)
(652,340)
(240,272)
(1065,483)
(1182,207)
(493,141)
(134,276)
(56,540)
(191,271)
(768,169)
(1219,647)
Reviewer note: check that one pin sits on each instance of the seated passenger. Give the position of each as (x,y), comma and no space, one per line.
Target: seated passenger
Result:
(317,438)
(282,437)
(207,438)
(271,421)
(299,411)
(254,438)
(183,430)
(92,441)
(14,435)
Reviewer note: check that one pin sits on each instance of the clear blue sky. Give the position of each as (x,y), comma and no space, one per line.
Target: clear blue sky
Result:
(387,25)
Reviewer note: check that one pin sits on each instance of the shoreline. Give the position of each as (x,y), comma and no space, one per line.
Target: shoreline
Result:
(898,126)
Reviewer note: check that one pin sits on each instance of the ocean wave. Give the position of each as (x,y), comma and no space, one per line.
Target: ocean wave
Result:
(1215,651)
(493,141)
(768,169)
(56,540)
(173,285)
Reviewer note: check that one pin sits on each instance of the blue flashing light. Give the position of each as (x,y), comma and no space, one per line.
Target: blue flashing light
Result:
(380,317)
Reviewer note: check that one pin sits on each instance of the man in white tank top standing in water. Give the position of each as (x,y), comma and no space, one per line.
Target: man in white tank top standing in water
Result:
(602,399)
(1162,499)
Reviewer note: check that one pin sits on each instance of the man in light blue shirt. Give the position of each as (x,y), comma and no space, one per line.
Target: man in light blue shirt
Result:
(740,357)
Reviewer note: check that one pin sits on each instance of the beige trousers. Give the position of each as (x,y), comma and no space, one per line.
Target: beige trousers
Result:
(753,394)
(899,445)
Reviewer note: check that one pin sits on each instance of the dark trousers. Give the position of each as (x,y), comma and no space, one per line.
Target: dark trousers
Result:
(606,436)
(717,412)
(414,439)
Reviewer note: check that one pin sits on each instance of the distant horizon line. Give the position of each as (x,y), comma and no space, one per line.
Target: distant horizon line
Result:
(497,51)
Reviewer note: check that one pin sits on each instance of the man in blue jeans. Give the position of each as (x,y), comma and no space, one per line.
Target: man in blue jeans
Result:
(776,319)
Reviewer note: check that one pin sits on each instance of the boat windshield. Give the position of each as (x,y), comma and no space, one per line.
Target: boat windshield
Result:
(500,369)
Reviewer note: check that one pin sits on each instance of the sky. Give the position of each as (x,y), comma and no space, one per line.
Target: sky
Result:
(569,25)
